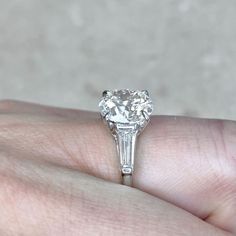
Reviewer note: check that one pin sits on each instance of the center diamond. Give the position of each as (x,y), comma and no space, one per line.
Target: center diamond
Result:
(126,106)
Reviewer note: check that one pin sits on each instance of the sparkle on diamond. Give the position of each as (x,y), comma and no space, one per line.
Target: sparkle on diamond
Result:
(126,106)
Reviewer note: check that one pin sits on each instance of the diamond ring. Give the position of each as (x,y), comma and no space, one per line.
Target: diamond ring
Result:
(126,112)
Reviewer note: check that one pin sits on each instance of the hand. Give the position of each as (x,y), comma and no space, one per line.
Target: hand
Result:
(60,176)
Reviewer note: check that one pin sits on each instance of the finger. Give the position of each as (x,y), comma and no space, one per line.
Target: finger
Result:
(22,107)
(190,162)
(38,199)
(178,159)
(59,139)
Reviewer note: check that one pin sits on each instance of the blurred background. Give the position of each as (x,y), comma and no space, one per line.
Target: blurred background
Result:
(66,52)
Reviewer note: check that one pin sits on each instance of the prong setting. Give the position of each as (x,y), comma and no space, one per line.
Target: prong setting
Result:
(145,92)
(145,115)
(106,93)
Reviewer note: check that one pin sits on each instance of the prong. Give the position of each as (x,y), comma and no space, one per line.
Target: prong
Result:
(105,117)
(145,115)
(105,93)
(111,126)
(145,92)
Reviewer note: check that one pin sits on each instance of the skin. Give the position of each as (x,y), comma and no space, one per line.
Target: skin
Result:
(59,175)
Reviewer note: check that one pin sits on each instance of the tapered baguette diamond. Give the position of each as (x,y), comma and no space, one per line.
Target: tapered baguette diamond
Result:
(126,106)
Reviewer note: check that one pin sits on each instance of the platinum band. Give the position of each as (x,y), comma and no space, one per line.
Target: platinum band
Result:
(127,180)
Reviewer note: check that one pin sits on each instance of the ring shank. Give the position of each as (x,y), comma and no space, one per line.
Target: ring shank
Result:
(127,179)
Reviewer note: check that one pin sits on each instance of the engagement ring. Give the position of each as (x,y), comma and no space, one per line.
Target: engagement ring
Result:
(126,113)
